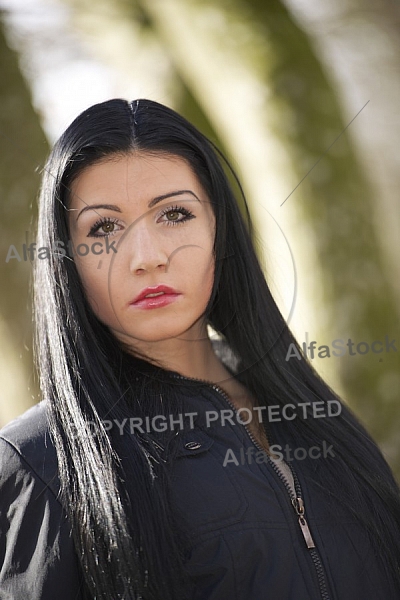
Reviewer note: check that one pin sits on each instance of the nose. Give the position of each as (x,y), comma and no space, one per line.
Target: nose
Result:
(147,248)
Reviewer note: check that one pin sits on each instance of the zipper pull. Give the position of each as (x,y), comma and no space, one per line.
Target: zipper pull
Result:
(298,505)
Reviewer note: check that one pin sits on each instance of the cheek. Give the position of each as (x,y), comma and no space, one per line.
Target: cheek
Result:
(201,271)
(203,263)
(95,283)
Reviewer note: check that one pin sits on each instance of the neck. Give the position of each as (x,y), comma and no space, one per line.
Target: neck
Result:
(191,355)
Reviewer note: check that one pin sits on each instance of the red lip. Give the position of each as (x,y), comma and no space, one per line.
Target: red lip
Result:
(153,290)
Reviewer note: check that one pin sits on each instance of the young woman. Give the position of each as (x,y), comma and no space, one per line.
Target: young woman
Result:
(163,463)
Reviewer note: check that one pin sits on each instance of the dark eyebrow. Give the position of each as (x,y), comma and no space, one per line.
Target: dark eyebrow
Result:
(96,206)
(152,202)
(165,196)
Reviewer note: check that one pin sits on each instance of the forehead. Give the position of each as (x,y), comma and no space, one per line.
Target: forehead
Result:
(135,176)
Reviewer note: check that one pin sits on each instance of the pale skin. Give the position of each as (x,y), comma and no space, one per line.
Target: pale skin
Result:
(170,243)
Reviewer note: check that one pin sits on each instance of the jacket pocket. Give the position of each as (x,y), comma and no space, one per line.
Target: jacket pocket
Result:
(205,494)
(193,443)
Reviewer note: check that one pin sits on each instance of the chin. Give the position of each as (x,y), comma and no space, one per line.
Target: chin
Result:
(149,334)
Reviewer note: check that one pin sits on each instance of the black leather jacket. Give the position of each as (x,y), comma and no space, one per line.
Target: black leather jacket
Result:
(250,539)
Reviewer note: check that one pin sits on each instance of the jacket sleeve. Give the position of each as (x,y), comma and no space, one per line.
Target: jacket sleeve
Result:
(37,556)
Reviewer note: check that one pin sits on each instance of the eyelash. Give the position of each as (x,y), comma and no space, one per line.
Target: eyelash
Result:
(105,220)
(102,221)
(181,209)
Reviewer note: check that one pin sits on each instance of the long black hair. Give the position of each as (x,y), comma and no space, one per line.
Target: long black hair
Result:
(122,525)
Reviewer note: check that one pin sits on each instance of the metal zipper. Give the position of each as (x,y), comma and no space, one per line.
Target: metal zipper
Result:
(294,492)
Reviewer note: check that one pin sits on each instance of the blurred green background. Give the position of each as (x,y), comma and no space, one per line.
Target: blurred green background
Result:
(303,98)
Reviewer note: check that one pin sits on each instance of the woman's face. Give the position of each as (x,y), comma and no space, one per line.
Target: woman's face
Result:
(146,221)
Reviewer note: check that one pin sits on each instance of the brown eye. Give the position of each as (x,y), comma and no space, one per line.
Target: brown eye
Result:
(104,227)
(176,215)
(108,227)
(173,212)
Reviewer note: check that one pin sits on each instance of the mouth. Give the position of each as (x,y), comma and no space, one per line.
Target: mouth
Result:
(156,296)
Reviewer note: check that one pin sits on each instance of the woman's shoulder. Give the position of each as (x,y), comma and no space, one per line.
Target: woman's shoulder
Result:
(33,420)
(37,555)
(26,445)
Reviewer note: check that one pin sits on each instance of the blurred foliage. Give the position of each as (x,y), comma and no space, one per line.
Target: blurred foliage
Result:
(23,148)
(336,200)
